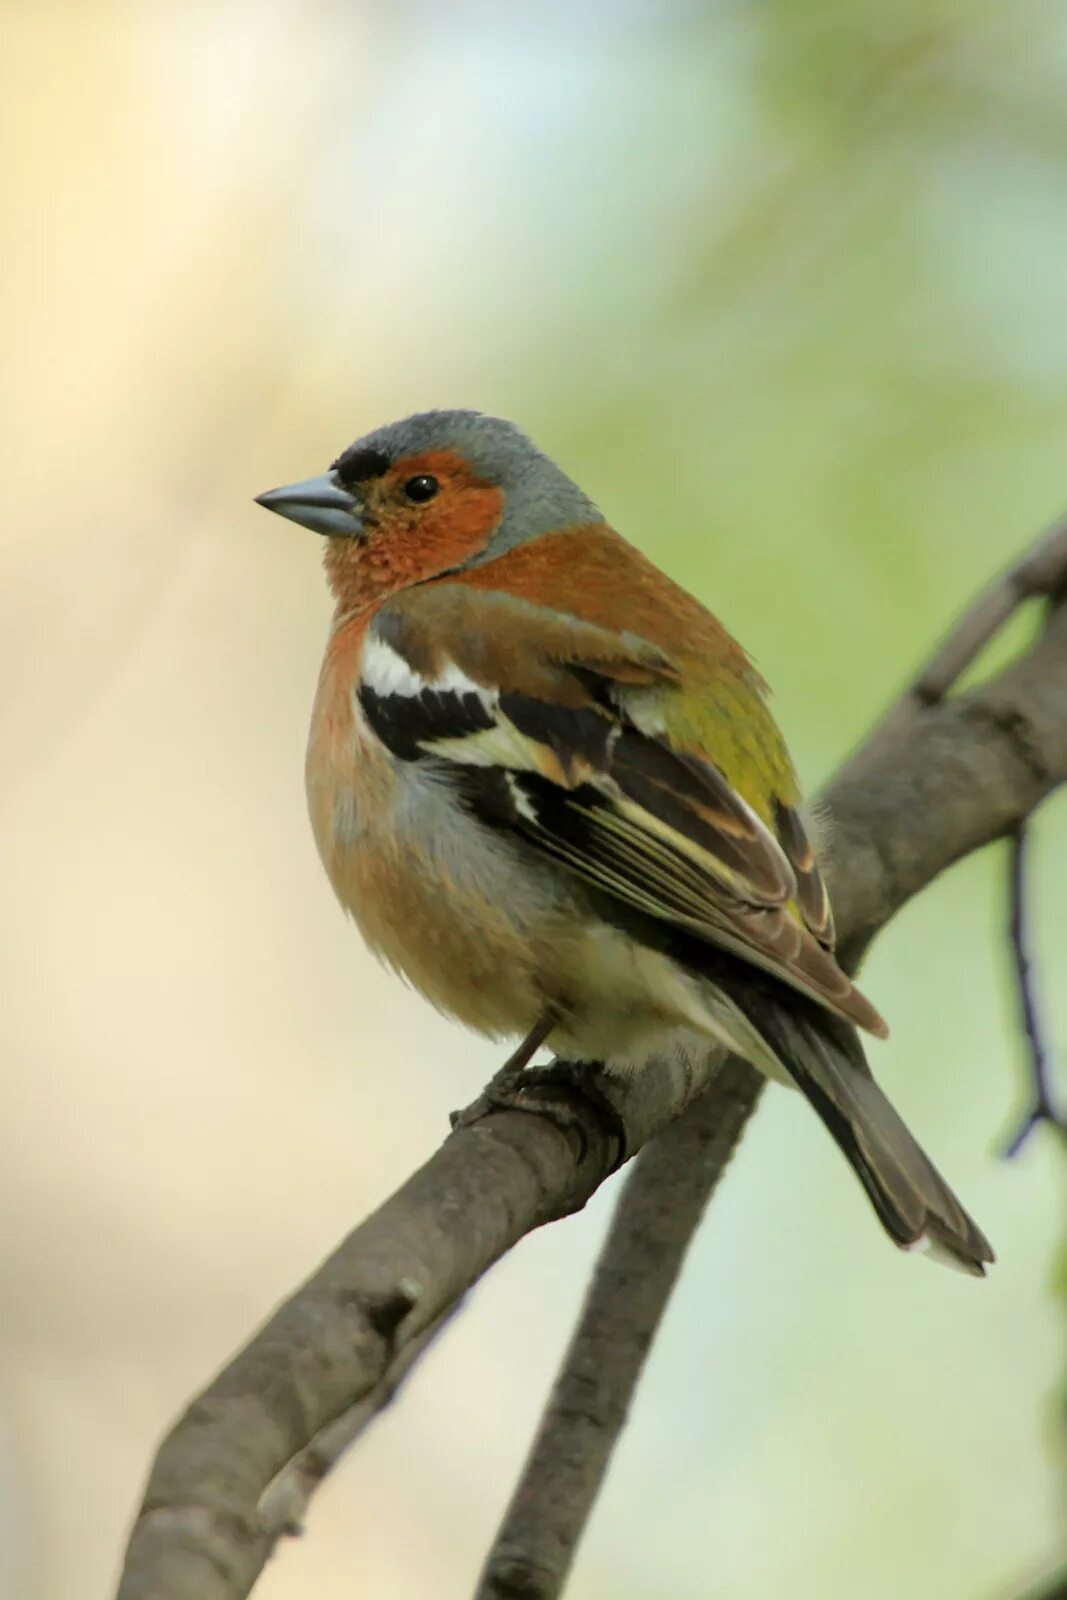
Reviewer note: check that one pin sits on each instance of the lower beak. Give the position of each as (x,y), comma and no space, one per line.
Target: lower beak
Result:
(318,504)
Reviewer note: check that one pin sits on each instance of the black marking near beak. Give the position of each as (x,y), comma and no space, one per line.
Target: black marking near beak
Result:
(319,504)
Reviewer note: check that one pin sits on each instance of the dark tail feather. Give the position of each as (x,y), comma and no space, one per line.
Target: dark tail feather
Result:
(917,1208)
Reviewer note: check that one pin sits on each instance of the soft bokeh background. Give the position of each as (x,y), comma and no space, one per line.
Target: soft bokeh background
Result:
(784,285)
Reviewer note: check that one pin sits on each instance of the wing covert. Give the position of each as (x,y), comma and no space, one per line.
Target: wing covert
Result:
(540,741)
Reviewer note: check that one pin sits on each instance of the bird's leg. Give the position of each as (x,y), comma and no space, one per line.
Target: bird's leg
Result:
(507,1078)
(504,1082)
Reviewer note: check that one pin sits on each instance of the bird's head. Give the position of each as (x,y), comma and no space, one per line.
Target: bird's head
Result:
(439,492)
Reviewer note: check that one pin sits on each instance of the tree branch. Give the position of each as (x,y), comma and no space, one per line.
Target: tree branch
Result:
(658,1212)
(1042,1106)
(959,775)
(1041,572)
(285,1500)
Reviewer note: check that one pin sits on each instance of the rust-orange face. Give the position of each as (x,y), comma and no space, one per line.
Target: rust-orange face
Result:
(393,524)
(438,492)
(433,503)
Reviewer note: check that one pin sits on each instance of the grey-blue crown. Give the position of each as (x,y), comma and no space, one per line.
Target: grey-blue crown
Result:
(539,496)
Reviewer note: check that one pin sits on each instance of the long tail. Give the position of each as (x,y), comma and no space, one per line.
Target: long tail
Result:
(918,1210)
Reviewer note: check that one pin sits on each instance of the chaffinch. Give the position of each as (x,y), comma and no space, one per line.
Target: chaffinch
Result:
(545,782)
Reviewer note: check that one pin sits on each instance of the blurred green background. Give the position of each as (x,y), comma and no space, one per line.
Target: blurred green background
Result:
(784,286)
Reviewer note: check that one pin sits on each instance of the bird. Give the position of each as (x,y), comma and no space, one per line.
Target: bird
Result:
(546,783)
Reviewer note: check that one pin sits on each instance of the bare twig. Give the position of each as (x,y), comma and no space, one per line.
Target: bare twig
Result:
(657,1215)
(1042,571)
(285,1500)
(535,1544)
(963,773)
(1042,1107)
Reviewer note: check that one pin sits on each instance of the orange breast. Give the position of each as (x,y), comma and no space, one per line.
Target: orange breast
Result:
(431,894)
(347,774)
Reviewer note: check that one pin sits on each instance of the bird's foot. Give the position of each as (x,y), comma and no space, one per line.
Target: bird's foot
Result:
(499,1094)
(562,1092)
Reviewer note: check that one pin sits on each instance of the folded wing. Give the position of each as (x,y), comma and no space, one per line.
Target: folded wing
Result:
(542,723)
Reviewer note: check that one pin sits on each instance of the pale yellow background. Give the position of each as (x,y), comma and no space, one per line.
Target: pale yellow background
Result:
(784,286)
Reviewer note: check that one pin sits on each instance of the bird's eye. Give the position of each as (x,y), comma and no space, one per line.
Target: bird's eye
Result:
(421,488)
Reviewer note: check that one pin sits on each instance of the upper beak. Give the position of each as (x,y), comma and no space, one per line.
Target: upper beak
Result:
(318,504)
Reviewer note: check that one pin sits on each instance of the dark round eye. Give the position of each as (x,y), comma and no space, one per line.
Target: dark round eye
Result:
(421,488)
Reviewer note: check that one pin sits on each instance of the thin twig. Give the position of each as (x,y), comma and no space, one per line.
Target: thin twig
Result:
(285,1500)
(544,1521)
(657,1214)
(1042,1107)
(1041,571)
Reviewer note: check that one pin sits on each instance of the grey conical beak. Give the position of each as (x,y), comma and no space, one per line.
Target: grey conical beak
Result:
(318,504)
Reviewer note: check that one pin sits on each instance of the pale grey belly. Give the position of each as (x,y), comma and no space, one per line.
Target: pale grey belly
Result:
(493,933)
